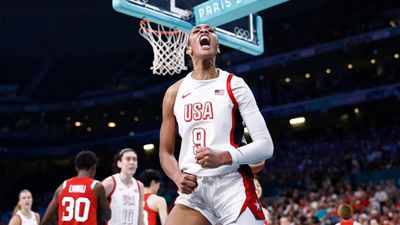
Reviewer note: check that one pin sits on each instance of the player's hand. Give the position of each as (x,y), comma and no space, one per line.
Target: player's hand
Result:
(186,183)
(208,158)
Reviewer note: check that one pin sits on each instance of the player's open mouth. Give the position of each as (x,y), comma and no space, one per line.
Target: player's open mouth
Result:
(204,42)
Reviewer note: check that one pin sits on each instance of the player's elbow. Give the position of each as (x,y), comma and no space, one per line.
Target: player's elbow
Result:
(270,149)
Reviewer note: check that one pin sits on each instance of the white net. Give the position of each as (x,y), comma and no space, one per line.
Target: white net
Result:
(168,47)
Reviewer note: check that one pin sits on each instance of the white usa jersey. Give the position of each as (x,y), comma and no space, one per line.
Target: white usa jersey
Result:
(124,202)
(27,221)
(208,113)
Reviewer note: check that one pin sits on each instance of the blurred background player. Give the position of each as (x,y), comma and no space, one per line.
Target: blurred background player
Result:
(23,214)
(153,204)
(259,192)
(81,198)
(346,215)
(125,193)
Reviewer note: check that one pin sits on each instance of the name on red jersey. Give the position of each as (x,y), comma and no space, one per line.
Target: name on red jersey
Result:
(198,111)
(77,189)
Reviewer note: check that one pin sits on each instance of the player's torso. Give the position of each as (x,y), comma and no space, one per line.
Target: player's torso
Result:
(150,216)
(203,110)
(32,220)
(77,202)
(124,203)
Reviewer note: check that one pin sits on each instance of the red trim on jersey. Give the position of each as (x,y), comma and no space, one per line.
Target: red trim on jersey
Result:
(109,197)
(37,217)
(235,106)
(251,200)
(138,186)
(151,214)
(20,219)
(347,222)
(112,191)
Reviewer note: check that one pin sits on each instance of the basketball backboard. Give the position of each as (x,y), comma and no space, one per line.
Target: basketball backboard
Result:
(236,23)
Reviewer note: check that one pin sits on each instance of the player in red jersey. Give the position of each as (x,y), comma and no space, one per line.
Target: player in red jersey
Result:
(153,204)
(81,198)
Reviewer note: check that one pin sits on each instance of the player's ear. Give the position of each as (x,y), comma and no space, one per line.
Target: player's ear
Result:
(218,51)
(189,51)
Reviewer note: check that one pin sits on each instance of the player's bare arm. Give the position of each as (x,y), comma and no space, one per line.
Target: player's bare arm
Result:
(186,182)
(141,200)
(161,208)
(105,210)
(158,204)
(15,220)
(52,208)
(38,217)
(108,185)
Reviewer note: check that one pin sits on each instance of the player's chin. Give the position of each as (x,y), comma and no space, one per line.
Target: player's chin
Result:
(206,54)
(132,171)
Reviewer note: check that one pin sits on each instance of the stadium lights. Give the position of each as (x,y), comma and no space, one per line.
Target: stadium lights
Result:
(307,75)
(396,56)
(111,124)
(350,66)
(136,119)
(78,124)
(148,147)
(88,129)
(328,71)
(297,120)
(373,61)
(287,80)
(392,23)
(356,110)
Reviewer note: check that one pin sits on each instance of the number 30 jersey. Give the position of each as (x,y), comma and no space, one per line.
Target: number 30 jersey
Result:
(208,113)
(77,203)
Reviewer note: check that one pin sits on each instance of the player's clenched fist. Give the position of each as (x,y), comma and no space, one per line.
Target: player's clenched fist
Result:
(209,158)
(186,183)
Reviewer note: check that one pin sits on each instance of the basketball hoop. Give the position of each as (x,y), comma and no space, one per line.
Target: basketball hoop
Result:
(168,47)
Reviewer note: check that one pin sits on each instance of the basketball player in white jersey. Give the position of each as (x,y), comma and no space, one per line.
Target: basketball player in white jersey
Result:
(215,183)
(125,193)
(23,214)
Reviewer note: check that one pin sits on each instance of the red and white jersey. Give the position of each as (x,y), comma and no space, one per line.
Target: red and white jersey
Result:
(124,202)
(208,113)
(33,220)
(77,203)
(150,216)
(348,222)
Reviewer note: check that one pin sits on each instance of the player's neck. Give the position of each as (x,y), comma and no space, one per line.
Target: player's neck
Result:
(203,73)
(148,190)
(83,173)
(26,212)
(126,178)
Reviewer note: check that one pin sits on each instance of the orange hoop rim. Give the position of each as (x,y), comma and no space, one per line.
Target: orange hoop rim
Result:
(150,30)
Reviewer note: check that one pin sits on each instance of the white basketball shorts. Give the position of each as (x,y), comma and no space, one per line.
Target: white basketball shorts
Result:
(223,198)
